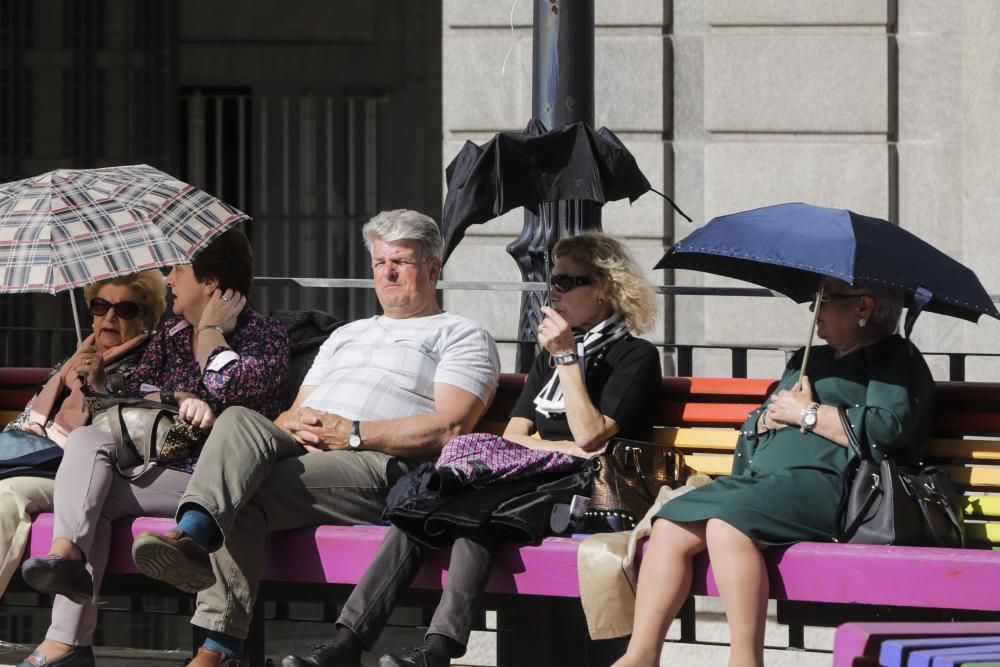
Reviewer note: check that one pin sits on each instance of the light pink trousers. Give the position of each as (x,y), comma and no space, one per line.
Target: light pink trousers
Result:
(89,495)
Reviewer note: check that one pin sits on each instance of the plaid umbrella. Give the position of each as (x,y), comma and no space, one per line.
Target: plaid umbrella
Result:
(71,227)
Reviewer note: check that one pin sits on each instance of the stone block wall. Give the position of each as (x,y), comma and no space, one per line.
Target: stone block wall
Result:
(887,107)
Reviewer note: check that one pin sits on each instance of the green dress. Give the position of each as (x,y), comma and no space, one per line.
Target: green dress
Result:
(786,485)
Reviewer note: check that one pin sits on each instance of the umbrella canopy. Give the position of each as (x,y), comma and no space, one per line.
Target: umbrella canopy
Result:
(70,227)
(529,168)
(789,247)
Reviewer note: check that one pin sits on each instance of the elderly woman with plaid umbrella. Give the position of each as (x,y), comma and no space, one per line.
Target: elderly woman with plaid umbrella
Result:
(215,352)
(124,310)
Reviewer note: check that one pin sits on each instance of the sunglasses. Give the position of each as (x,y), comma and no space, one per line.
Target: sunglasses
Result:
(124,309)
(827,298)
(563,282)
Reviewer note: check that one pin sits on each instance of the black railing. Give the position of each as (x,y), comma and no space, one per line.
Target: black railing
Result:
(35,346)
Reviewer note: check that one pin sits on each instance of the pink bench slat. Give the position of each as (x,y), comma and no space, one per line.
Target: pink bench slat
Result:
(864,574)
(903,576)
(340,555)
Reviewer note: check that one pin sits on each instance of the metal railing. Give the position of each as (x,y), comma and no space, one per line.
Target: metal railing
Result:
(36,346)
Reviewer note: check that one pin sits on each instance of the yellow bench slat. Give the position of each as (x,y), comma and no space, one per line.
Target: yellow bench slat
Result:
(949,449)
(721,439)
(976,477)
(724,440)
(982,533)
(709,464)
(982,507)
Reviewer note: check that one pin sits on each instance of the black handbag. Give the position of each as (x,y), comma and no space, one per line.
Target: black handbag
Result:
(627,478)
(887,503)
(144,431)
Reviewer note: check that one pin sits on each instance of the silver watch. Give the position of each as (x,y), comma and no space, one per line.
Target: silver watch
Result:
(809,417)
(565,359)
(354,441)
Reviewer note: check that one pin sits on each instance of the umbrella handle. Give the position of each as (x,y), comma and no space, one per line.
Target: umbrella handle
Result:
(812,330)
(76,316)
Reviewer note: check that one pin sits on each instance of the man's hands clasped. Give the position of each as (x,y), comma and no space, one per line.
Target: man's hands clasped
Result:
(315,430)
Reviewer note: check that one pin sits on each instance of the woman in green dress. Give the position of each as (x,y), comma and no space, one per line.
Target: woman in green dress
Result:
(788,469)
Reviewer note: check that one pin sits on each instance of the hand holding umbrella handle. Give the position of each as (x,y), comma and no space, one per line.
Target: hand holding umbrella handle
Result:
(812,331)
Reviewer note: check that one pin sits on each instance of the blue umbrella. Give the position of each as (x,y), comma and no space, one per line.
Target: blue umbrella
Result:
(788,248)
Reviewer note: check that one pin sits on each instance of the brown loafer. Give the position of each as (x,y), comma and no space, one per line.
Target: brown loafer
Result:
(209,658)
(174,558)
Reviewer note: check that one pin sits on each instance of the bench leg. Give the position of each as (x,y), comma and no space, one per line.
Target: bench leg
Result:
(256,644)
(550,631)
(687,618)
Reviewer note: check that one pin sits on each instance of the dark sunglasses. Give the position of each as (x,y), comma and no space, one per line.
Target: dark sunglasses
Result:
(563,282)
(124,309)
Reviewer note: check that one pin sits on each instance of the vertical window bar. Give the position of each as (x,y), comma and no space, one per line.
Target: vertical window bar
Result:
(352,209)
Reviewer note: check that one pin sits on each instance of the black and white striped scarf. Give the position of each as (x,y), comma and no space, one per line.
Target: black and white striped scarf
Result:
(550,399)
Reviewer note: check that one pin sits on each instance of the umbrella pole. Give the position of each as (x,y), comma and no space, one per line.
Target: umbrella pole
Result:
(76,317)
(812,330)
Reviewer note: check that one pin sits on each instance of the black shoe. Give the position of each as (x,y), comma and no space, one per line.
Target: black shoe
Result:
(80,656)
(327,654)
(418,656)
(59,576)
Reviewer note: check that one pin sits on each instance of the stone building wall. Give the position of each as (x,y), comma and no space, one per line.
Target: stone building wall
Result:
(888,108)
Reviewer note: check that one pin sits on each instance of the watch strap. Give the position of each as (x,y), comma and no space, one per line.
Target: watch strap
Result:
(565,359)
(355,441)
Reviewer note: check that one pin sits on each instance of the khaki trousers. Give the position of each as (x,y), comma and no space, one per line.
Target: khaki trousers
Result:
(20,498)
(253,478)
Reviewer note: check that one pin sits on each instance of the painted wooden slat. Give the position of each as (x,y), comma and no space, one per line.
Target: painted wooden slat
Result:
(982,533)
(720,439)
(951,449)
(976,477)
(709,464)
(982,507)
(7,416)
(859,643)
(901,652)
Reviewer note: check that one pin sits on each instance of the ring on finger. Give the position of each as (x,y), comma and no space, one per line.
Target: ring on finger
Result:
(226,298)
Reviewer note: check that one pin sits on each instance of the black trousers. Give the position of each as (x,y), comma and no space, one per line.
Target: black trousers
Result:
(392,571)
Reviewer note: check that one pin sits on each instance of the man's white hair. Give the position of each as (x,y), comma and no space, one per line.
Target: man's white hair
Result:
(405,225)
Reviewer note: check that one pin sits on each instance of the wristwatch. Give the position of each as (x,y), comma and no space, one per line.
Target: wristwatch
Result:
(565,359)
(354,441)
(809,416)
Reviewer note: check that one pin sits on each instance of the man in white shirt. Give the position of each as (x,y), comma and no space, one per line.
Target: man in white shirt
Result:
(381,393)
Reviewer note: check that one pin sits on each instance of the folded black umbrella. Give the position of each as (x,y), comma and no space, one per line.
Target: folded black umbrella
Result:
(529,168)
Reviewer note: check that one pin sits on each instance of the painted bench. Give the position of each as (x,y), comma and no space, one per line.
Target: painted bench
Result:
(536,589)
(916,644)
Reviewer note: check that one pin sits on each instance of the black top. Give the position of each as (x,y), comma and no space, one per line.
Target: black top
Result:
(623,381)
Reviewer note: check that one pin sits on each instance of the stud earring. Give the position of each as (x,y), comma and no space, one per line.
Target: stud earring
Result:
(862,322)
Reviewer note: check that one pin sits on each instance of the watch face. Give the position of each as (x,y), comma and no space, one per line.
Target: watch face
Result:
(810,419)
(354,441)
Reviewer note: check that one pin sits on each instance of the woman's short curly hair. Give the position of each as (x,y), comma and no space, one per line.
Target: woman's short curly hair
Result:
(618,278)
(152,289)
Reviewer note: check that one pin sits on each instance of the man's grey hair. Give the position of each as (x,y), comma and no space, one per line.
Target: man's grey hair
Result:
(405,225)
(888,307)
